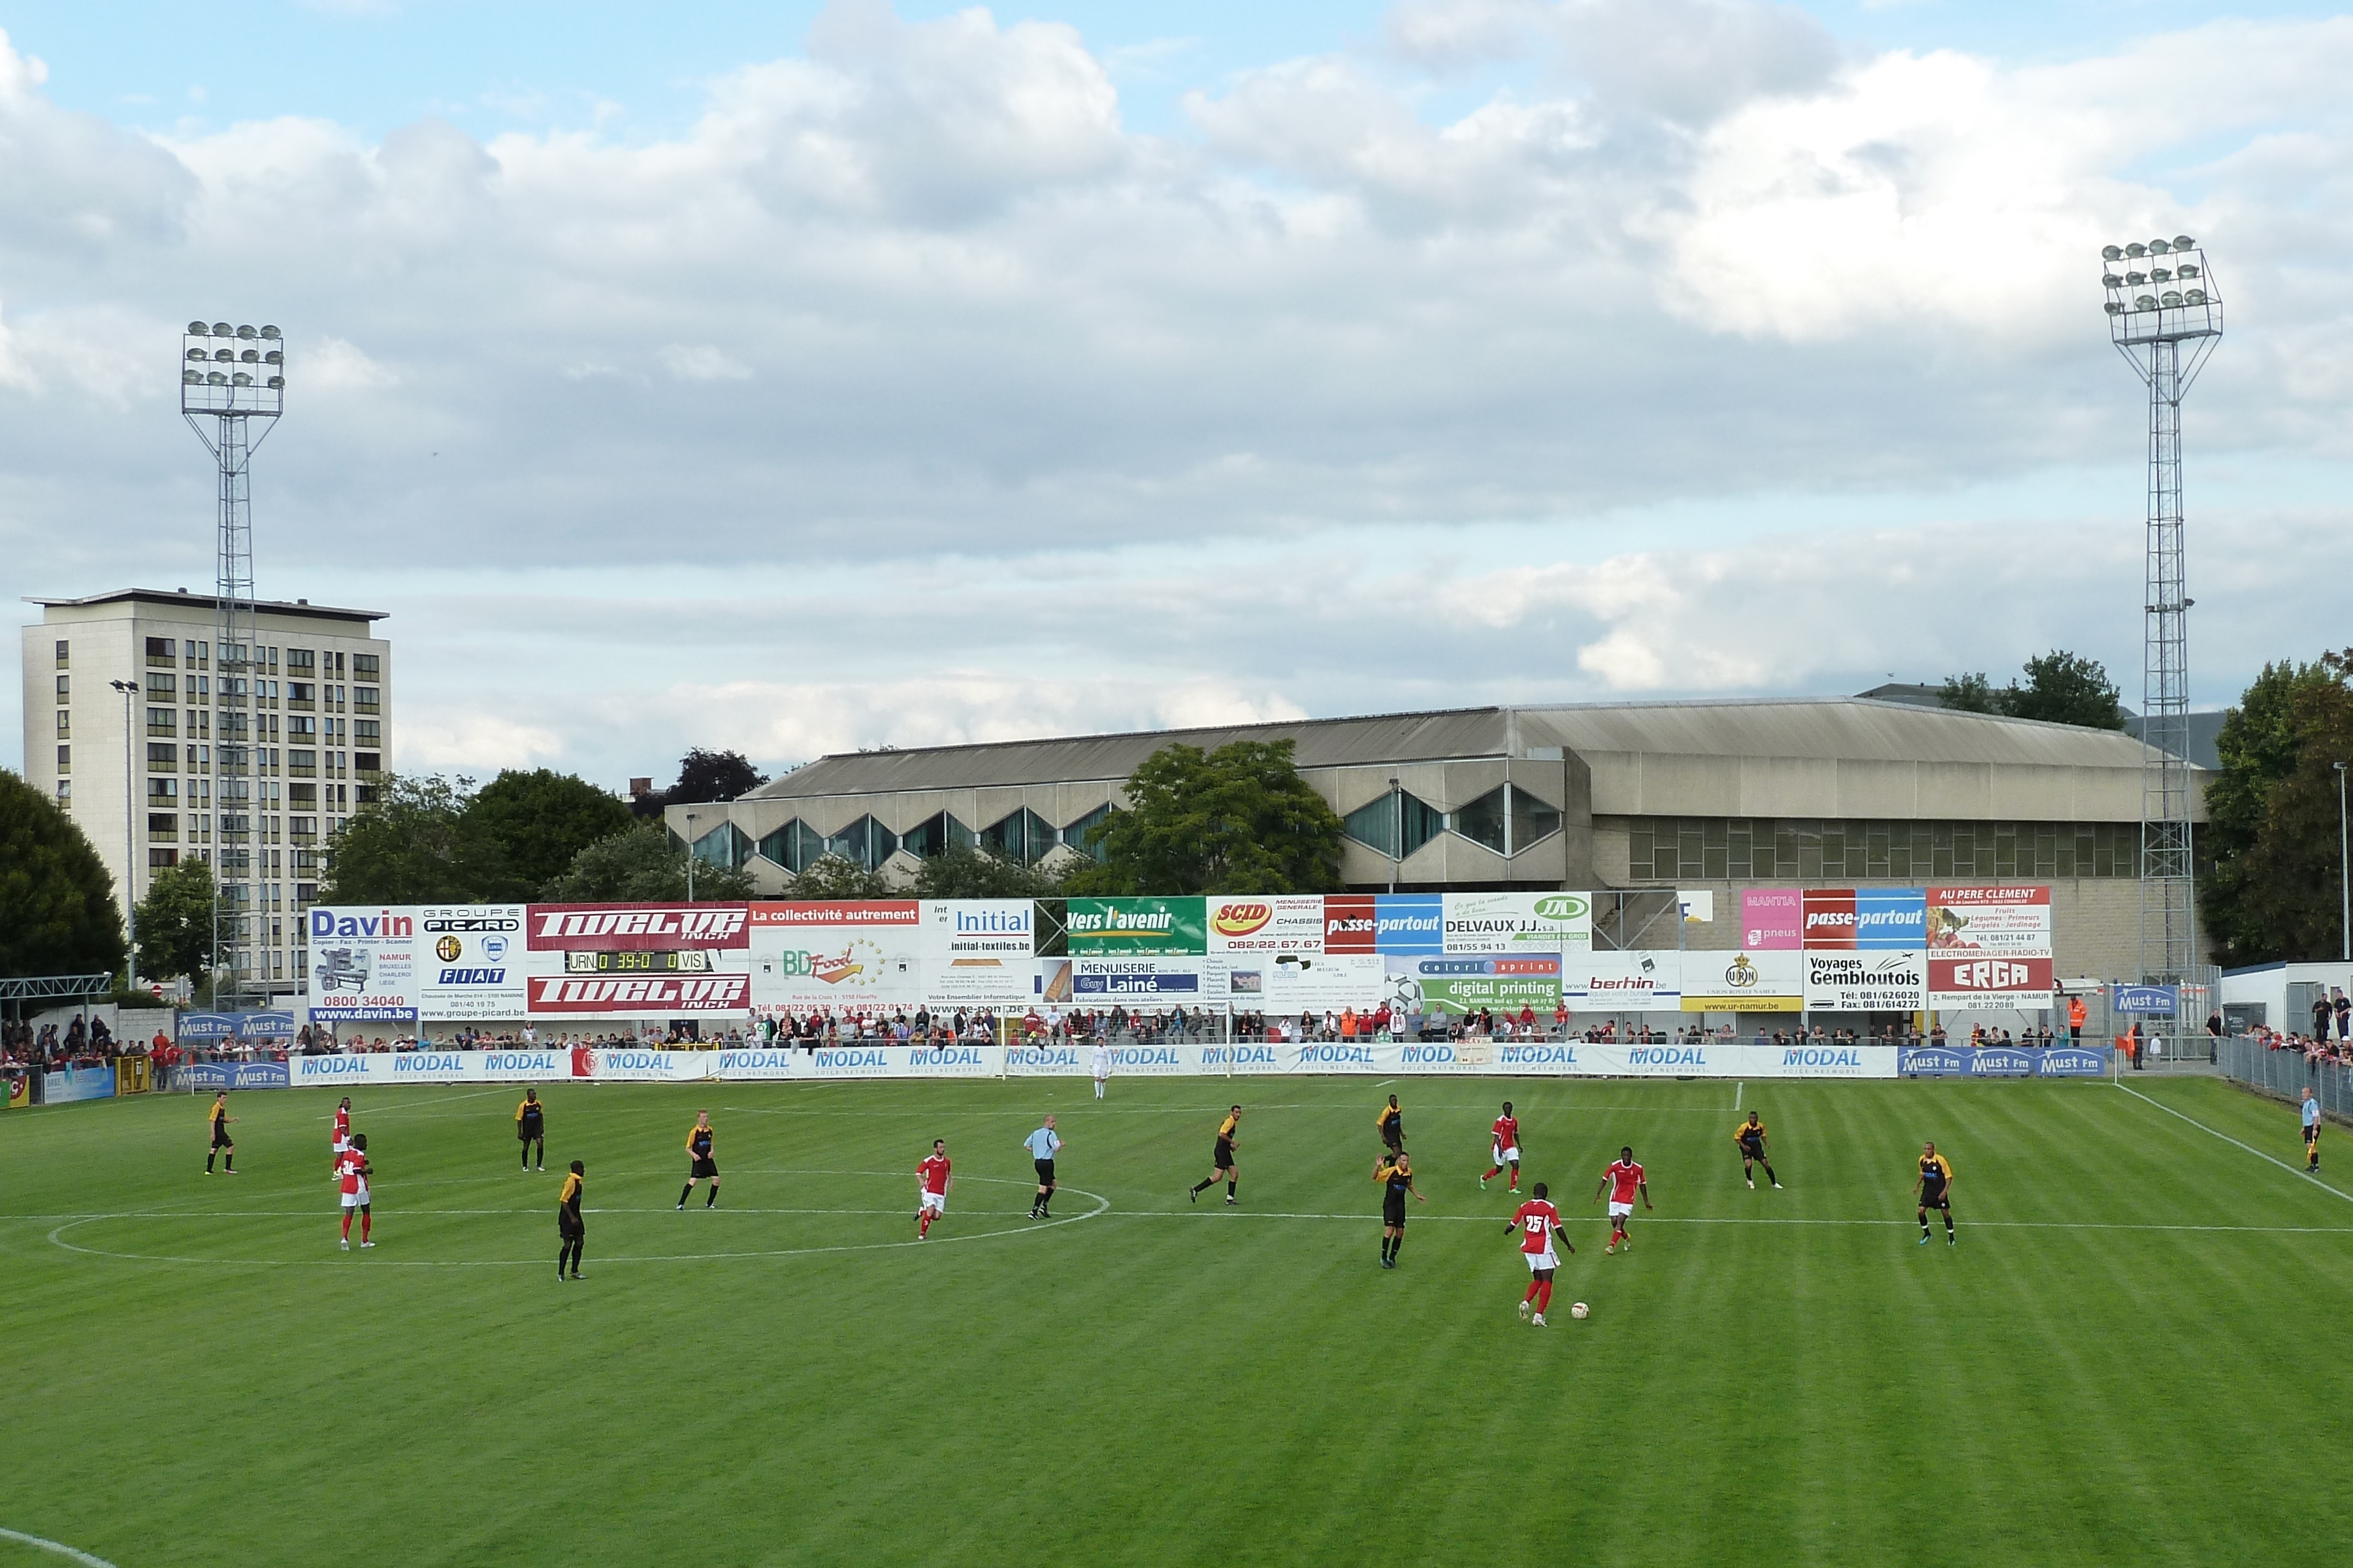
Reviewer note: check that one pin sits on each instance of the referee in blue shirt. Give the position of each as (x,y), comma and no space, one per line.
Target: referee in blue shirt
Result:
(1042,1145)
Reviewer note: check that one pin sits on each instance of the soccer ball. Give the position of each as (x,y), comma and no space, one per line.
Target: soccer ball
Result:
(1580,1311)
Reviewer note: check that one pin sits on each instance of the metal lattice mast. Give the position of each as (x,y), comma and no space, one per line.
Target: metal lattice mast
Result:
(2161,301)
(230,377)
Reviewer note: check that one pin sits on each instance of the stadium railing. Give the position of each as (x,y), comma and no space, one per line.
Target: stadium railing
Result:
(2288,1074)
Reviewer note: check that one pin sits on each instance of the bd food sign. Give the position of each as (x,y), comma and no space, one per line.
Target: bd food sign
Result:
(853,955)
(1139,927)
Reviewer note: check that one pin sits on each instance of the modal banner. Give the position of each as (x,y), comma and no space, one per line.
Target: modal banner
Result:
(1764,980)
(428,1067)
(854,1060)
(1866,982)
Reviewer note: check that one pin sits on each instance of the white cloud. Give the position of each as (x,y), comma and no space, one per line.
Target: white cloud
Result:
(704,362)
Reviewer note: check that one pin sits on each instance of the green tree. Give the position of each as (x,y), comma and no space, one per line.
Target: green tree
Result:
(542,819)
(713,775)
(416,843)
(2062,687)
(58,911)
(175,923)
(964,872)
(2273,894)
(832,876)
(1236,820)
(1969,694)
(644,863)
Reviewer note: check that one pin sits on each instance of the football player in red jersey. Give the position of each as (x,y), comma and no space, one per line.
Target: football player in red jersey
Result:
(1538,1224)
(932,1180)
(351,1174)
(1507,1148)
(1622,1180)
(342,1137)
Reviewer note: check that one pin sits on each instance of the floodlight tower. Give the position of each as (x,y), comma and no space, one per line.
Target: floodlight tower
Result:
(2165,318)
(230,376)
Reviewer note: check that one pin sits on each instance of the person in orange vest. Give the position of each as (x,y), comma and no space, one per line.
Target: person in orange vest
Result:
(2076,1013)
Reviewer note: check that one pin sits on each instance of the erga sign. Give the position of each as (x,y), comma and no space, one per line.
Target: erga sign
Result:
(1174,927)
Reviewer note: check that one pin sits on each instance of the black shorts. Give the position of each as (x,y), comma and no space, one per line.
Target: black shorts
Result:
(1752,1148)
(704,1165)
(1222,1157)
(1045,1172)
(1937,1200)
(1393,1208)
(530,1132)
(221,1139)
(570,1229)
(2311,1132)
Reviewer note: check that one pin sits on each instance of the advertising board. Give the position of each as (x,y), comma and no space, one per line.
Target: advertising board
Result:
(1989,919)
(1142,927)
(211,1077)
(652,997)
(1866,982)
(978,952)
(1772,919)
(855,957)
(639,928)
(1412,922)
(1277,923)
(2002,1061)
(1517,922)
(1098,981)
(470,963)
(1626,982)
(1763,980)
(1983,983)
(2145,1001)
(427,1067)
(1465,984)
(1865,919)
(363,965)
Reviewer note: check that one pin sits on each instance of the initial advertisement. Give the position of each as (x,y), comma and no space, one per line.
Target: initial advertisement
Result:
(1517,922)
(1866,982)
(1751,981)
(979,951)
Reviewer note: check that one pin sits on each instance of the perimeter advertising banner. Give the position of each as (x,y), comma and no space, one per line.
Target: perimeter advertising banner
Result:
(1866,919)
(363,965)
(2005,984)
(470,963)
(1099,981)
(1625,982)
(1275,923)
(1517,922)
(1752,980)
(1457,984)
(978,952)
(1866,982)
(1142,927)
(853,956)
(1989,919)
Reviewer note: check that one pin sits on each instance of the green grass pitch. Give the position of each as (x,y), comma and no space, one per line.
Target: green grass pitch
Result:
(2135,1354)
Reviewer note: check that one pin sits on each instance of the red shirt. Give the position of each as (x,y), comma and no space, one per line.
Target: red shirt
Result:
(1508,1132)
(343,1125)
(1537,1221)
(1624,1179)
(348,1166)
(934,1174)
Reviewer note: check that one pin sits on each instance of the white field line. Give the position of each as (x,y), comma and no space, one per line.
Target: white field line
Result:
(70,1554)
(2226,1137)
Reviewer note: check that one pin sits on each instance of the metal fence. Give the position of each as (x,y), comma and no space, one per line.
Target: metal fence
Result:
(2288,1074)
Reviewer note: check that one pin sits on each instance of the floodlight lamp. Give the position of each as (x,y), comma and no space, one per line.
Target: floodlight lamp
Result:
(240,379)
(2114,310)
(192,377)
(2112,252)
(2173,300)
(2194,297)
(2158,247)
(2183,242)
(2144,302)
(275,356)
(2110,280)
(2185,271)
(223,329)
(2136,250)
(199,353)
(215,379)
(270,332)
(246,332)
(251,356)
(198,330)
(276,383)
(224,355)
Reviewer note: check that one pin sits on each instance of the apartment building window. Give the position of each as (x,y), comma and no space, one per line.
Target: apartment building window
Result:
(163,792)
(366,665)
(364,698)
(162,684)
(162,722)
(65,724)
(163,758)
(301,658)
(65,792)
(65,759)
(65,654)
(367,732)
(162,826)
(65,688)
(159,859)
(163,652)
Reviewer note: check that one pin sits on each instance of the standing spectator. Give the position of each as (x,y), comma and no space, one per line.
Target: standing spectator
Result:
(2343,1007)
(2321,1013)
(2076,1013)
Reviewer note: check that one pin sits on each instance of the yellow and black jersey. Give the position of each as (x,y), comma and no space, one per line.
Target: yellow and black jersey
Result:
(530,1110)
(1226,1129)
(1388,1114)
(219,1115)
(698,1142)
(1747,1132)
(568,1204)
(1935,1174)
(1396,1175)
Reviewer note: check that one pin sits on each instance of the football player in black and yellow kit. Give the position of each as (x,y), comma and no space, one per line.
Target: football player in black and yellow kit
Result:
(222,1142)
(571,1230)
(698,1141)
(1749,1136)
(1934,1189)
(531,1127)
(1393,1171)
(1391,1123)
(1221,1158)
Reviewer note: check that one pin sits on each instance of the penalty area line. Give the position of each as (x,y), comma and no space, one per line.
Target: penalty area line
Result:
(72,1554)
(2250,1148)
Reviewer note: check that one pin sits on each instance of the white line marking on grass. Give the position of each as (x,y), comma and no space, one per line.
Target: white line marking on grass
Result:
(1660,1219)
(419,1104)
(56,1238)
(60,1548)
(1737,1090)
(1211,1111)
(2226,1137)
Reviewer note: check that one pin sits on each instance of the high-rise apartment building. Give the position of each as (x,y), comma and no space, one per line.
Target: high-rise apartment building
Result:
(310,699)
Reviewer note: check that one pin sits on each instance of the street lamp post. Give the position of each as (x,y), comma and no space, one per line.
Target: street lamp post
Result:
(1396,832)
(689,857)
(130,689)
(2344,866)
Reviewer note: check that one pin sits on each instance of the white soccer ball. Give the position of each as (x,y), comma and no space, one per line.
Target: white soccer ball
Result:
(1580,1311)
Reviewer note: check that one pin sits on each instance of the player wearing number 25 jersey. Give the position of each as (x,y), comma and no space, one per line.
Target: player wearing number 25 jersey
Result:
(1538,1224)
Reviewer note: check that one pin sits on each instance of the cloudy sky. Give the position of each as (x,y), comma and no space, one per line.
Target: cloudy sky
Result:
(797,377)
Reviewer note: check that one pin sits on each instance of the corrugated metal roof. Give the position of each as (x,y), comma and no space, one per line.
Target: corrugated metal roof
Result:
(1842,728)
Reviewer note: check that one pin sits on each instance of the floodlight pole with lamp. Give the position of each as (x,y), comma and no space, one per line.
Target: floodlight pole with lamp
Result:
(689,857)
(229,376)
(2165,317)
(130,689)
